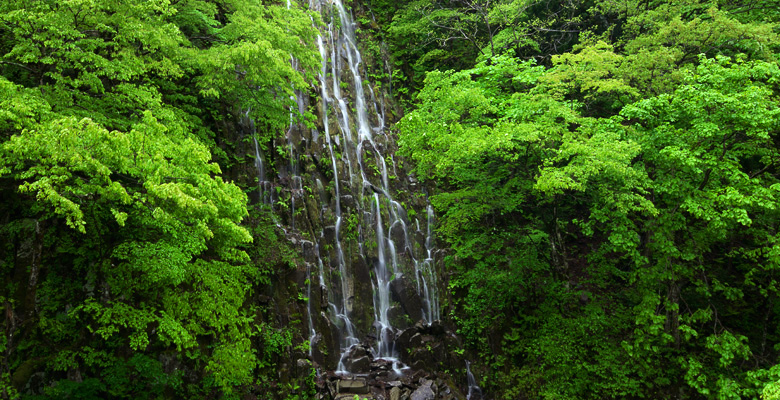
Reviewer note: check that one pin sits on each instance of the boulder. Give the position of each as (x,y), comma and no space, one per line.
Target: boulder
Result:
(356,385)
(424,392)
(416,340)
(395,393)
(403,340)
(327,338)
(358,359)
(358,365)
(349,396)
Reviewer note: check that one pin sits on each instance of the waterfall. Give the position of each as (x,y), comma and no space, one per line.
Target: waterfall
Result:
(382,292)
(263,184)
(354,140)
(475,393)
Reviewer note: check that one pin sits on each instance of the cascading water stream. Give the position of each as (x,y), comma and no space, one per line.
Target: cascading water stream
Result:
(475,393)
(341,311)
(382,291)
(263,185)
(358,151)
(377,219)
(430,297)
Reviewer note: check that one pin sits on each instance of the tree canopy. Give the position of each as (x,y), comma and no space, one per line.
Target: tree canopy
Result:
(138,268)
(612,203)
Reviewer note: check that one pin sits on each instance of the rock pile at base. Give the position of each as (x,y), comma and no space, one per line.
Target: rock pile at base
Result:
(425,348)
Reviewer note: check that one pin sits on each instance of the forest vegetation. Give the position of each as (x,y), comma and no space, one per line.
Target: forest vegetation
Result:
(606,176)
(138,267)
(607,180)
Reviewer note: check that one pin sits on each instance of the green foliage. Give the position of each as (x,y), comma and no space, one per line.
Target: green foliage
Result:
(108,117)
(613,236)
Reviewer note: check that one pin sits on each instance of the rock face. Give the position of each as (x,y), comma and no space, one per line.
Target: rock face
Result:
(404,293)
(350,207)
(358,359)
(359,220)
(429,347)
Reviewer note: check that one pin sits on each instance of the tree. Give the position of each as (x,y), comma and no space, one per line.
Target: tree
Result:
(636,246)
(138,274)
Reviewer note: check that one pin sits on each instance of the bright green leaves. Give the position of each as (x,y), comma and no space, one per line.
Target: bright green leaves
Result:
(104,107)
(595,72)
(53,166)
(169,207)
(474,132)
(251,64)
(669,202)
(66,162)
(672,182)
(469,115)
(705,133)
(106,59)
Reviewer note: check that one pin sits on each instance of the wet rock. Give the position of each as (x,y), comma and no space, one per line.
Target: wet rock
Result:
(357,385)
(381,365)
(416,340)
(403,292)
(418,376)
(424,392)
(419,237)
(395,393)
(302,367)
(347,202)
(322,192)
(309,254)
(327,338)
(436,329)
(362,274)
(403,343)
(348,396)
(329,234)
(401,212)
(323,290)
(358,365)
(398,317)
(313,211)
(385,375)
(359,351)
(369,221)
(448,389)
(358,359)
(398,235)
(363,292)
